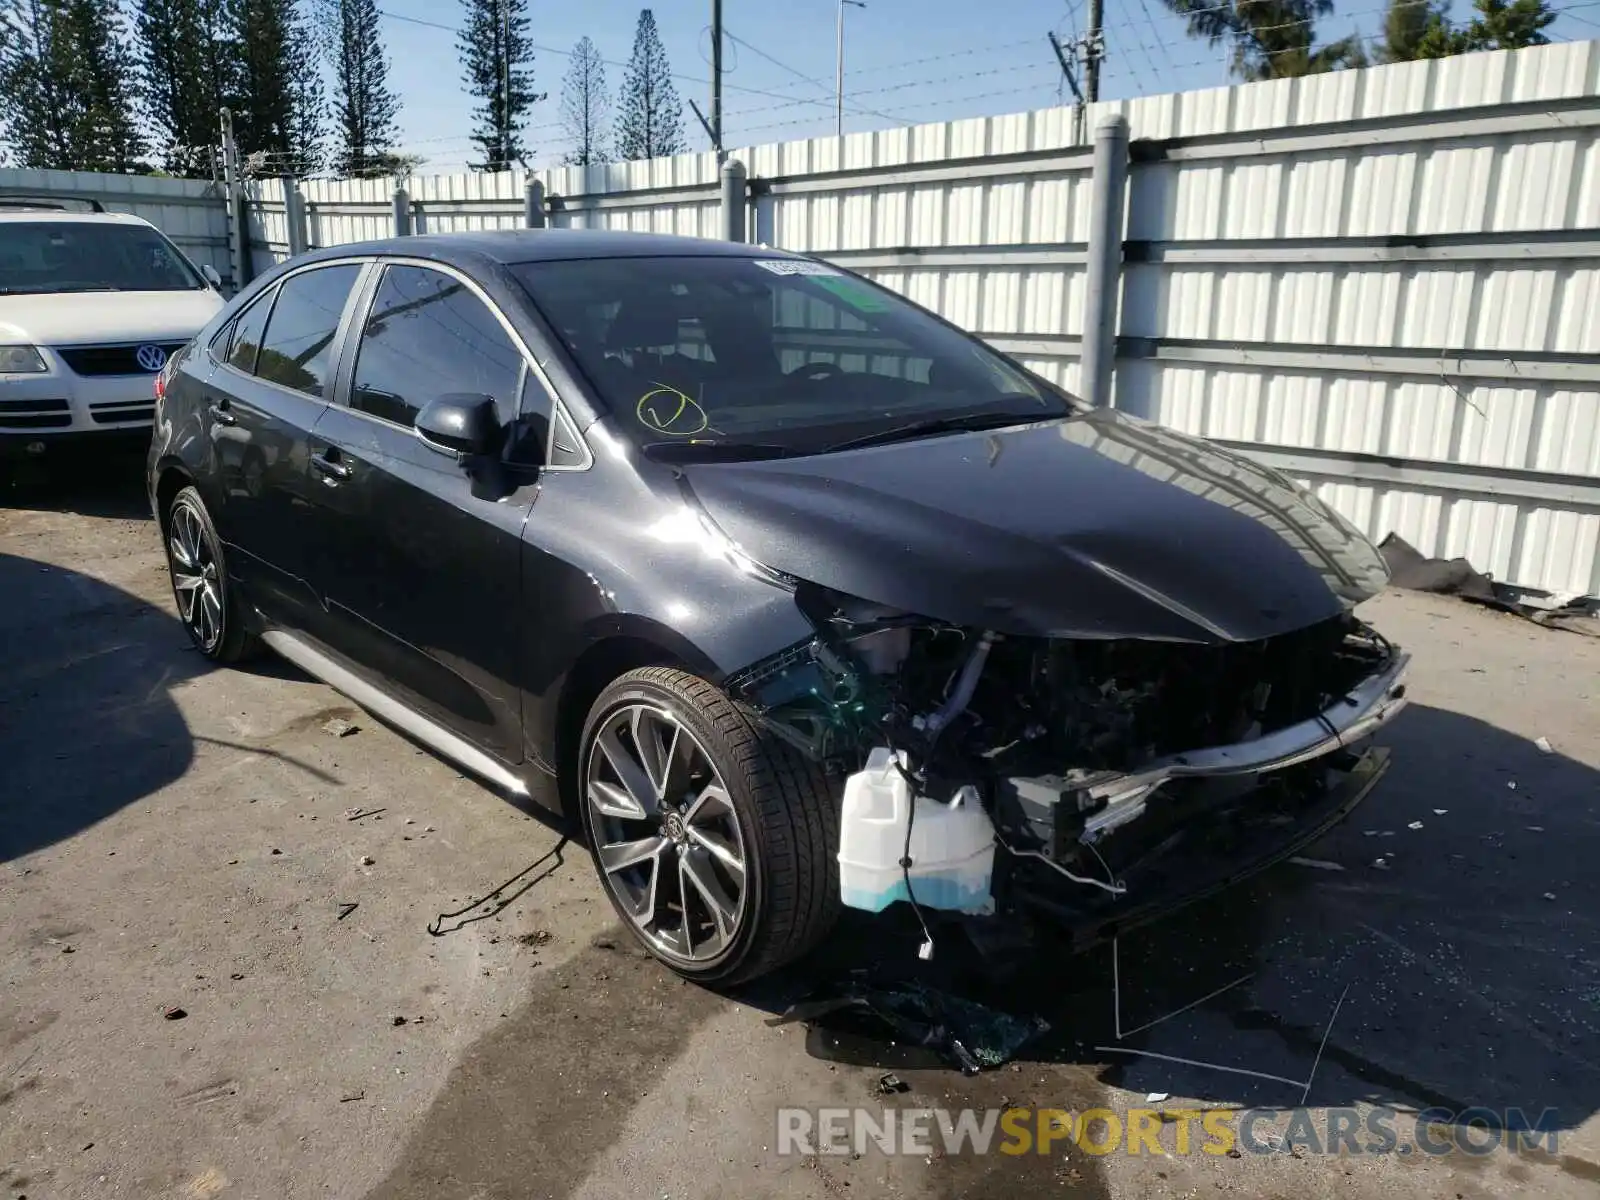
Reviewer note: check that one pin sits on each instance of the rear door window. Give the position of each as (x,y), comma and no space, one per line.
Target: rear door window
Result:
(296,347)
(245,339)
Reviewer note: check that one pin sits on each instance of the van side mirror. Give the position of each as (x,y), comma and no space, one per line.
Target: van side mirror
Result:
(463,425)
(211,276)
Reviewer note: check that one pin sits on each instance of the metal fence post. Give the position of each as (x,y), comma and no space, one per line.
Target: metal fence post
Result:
(735,198)
(294,215)
(764,206)
(402,211)
(235,199)
(1105,259)
(419,217)
(533,205)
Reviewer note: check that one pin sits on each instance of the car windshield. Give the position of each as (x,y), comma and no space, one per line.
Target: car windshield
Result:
(715,357)
(89,256)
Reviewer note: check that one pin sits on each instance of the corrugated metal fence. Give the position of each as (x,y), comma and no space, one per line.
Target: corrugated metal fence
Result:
(1385,282)
(191,212)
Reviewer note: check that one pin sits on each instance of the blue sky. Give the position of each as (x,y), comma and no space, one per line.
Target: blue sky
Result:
(906,61)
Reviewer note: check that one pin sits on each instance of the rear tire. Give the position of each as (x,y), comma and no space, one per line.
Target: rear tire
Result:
(679,784)
(208,607)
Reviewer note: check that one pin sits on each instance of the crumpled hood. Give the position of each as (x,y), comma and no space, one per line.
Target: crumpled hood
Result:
(1098,525)
(88,318)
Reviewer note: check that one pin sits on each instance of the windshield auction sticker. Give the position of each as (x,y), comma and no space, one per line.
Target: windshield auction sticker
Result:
(796,266)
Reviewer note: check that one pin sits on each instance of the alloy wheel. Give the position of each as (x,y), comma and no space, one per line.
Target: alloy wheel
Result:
(195,578)
(670,844)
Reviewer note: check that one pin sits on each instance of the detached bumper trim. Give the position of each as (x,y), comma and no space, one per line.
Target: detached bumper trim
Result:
(1375,702)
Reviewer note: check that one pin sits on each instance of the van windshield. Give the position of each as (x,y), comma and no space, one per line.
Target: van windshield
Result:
(730,356)
(89,256)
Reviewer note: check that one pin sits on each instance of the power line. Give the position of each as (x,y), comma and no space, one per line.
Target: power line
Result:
(757,50)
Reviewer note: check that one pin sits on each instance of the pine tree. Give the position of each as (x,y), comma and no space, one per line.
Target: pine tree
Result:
(65,86)
(171,62)
(1499,25)
(278,113)
(35,60)
(584,105)
(1270,39)
(102,83)
(650,124)
(497,58)
(1409,27)
(364,109)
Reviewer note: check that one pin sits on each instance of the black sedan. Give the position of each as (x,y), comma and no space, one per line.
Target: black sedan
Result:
(792,593)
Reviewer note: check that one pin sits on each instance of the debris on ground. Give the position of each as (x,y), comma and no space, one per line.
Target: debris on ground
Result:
(1156,1098)
(1381,863)
(349,1096)
(968,1034)
(1439,812)
(346,909)
(1544,745)
(355,814)
(397,1022)
(539,937)
(1320,864)
(604,943)
(1549,895)
(339,727)
(1512,784)
(1415,825)
(892,1083)
(1409,568)
(368,861)
(173,1013)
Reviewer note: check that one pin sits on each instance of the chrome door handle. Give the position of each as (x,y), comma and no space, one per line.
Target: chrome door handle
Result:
(336,470)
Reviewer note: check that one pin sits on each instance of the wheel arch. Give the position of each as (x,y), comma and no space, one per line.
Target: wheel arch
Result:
(171,478)
(635,643)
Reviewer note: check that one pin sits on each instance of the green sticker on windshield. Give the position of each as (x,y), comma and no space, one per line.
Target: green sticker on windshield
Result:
(853,292)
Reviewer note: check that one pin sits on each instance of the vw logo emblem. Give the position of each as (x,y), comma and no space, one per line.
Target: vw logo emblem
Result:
(151,358)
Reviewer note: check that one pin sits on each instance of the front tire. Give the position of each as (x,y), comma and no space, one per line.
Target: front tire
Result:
(207,606)
(715,841)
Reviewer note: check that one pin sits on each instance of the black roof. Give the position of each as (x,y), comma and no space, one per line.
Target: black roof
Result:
(510,246)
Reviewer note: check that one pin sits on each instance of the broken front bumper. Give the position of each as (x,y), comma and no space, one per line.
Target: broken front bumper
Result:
(1370,705)
(1190,824)
(1218,853)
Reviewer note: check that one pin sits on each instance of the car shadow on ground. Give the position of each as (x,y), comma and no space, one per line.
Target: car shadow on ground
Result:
(87,720)
(106,482)
(1464,973)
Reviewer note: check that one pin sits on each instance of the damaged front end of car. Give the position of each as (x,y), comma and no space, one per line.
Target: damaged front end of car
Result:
(1099,782)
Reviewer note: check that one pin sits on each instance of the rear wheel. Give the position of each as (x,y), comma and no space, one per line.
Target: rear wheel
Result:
(206,604)
(714,840)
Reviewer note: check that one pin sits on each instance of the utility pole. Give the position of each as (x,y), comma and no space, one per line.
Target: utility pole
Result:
(838,112)
(716,77)
(505,108)
(1094,49)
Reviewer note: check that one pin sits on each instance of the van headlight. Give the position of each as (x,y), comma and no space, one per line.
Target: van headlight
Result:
(21,360)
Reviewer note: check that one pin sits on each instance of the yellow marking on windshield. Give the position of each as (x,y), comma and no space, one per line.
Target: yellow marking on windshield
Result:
(674,413)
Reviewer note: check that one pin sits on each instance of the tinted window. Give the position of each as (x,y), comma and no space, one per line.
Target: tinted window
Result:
(90,256)
(776,352)
(300,331)
(428,336)
(246,338)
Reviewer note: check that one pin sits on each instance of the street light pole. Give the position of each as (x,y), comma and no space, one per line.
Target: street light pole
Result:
(838,79)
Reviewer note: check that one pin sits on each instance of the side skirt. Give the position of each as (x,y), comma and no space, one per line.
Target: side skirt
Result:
(389,710)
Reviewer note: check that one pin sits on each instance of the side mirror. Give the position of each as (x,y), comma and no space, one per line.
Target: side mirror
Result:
(462,425)
(211,276)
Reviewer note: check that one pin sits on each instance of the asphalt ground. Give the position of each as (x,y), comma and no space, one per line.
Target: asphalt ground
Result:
(397,984)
